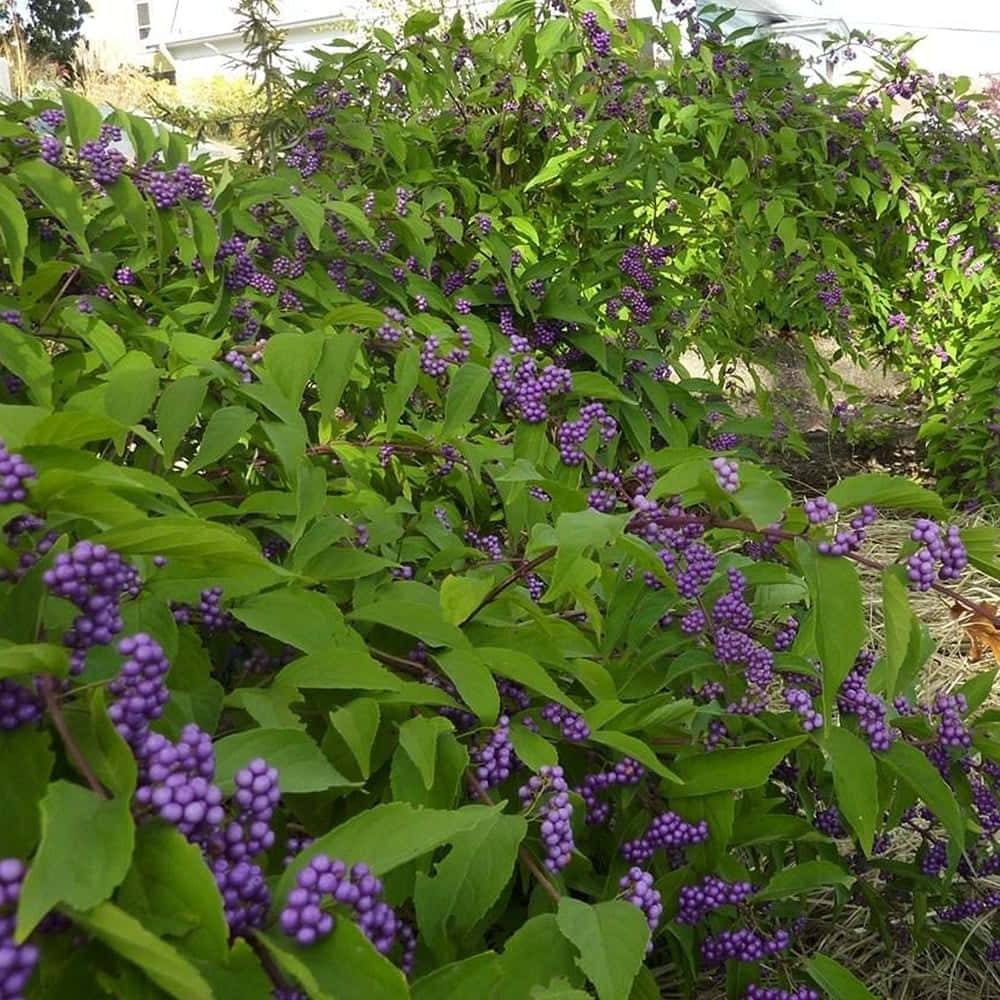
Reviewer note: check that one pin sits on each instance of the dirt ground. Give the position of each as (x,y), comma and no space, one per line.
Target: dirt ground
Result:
(884,440)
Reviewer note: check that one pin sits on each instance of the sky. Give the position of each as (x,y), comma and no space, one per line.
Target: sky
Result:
(959,37)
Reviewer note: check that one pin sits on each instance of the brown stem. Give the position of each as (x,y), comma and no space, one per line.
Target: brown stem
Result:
(70,277)
(267,962)
(76,754)
(523,853)
(519,574)
(409,666)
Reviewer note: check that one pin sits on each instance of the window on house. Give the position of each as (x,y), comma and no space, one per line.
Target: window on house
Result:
(142,15)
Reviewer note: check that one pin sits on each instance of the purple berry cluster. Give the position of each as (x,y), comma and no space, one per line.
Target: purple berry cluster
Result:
(494,760)
(625,773)
(17,961)
(106,163)
(819,510)
(600,40)
(855,698)
(800,702)
(572,433)
(548,792)
(850,539)
(604,495)
(757,992)
(15,473)
(785,635)
(743,945)
(19,705)
(667,832)
(946,550)
(95,579)
(526,390)
(304,919)
(637,888)
(711,893)
(572,726)
(140,691)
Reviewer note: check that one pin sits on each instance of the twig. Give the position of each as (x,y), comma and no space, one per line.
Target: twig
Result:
(390,660)
(523,853)
(519,574)
(268,963)
(70,277)
(75,753)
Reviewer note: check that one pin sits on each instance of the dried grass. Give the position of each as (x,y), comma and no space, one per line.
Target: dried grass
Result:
(896,970)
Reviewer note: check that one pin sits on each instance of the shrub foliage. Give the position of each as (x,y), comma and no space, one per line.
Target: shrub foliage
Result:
(387,613)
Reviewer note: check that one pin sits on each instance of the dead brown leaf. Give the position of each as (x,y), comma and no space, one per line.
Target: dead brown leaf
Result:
(981,630)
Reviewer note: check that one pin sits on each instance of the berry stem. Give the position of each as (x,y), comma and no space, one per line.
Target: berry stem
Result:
(76,754)
(522,571)
(523,853)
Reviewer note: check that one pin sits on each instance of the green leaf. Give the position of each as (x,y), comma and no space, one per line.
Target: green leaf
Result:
(855,783)
(14,230)
(157,959)
(466,390)
(467,882)
(133,208)
(34,658)
(206,237)
(420,23)
(531,748)
(535,955)
(183,538)
(60,871)
(802,878)
(130,393)
(731,769)
(358,722)
(100,743)
(576,532)
(839,614)
(418,738)
(774,212)
(335,366)
(83,120)
(839,983)
(898,624)
(925,781)
(761,498)
(58,194)
(343,964)
(473,977)
(170,879)
(593,385)
(305,619)
(640,750)
(291,359)
(886,491)
(224,429)
(473,680)
(611,938)
(397,395)
(338,669)
(461,595)
(526,670)
(27,358)
(385,837)
(553,168)
(788,231)
(300,763)
(27,764)
(309,215)
(412,618)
